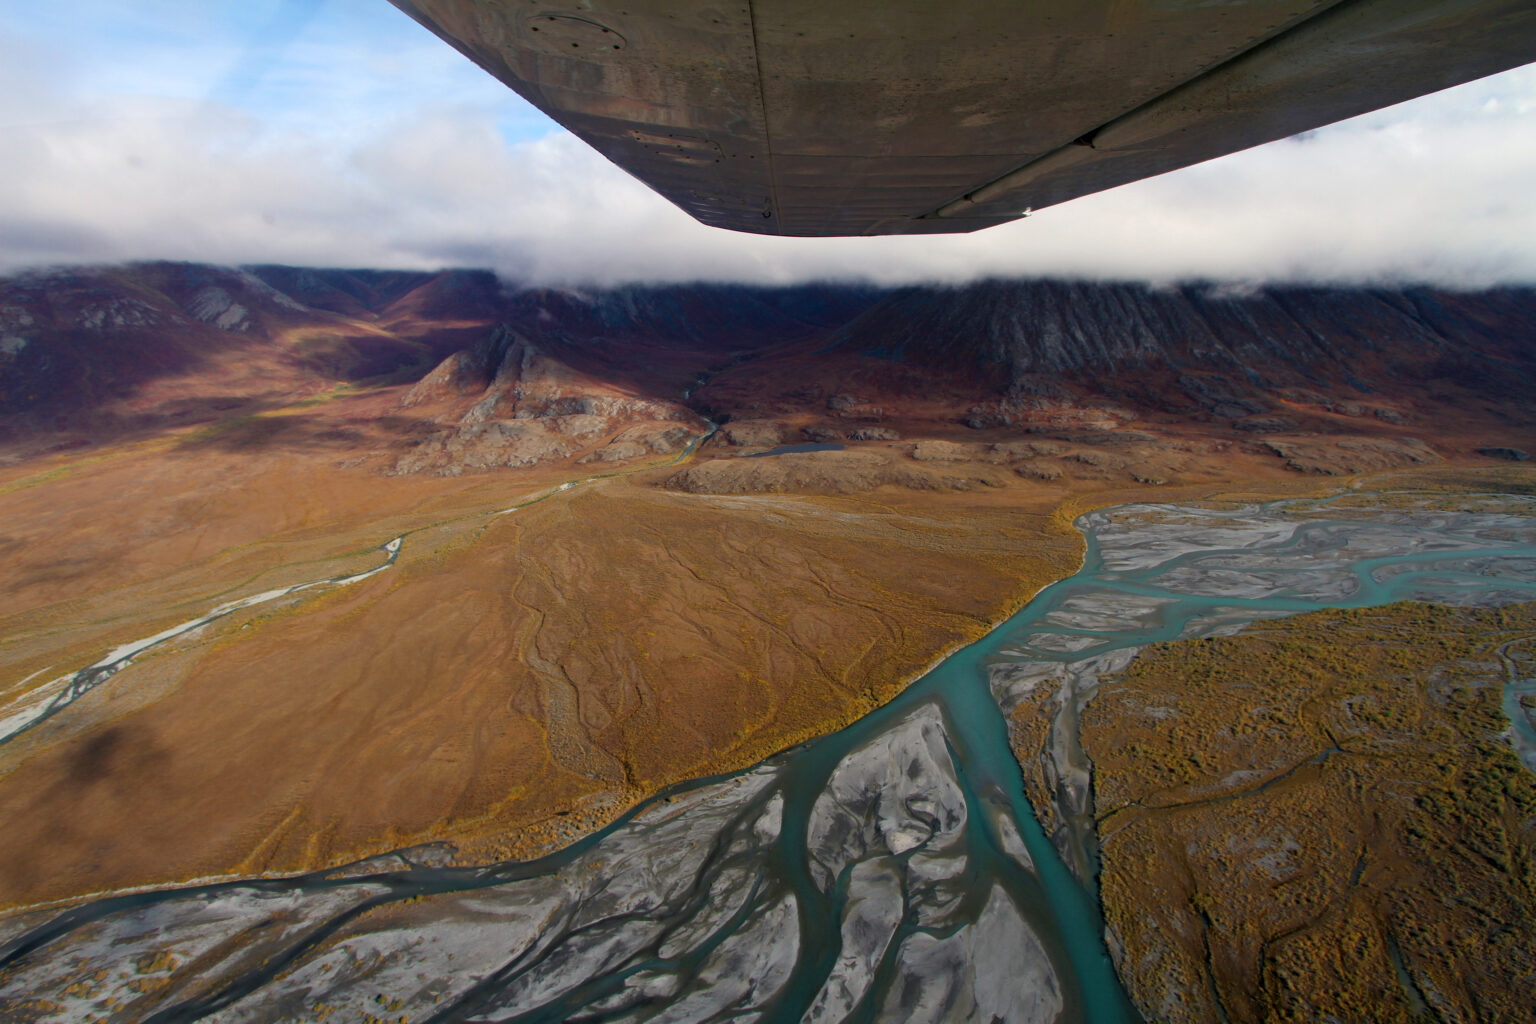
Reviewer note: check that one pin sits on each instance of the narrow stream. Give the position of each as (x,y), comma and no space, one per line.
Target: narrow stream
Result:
(892,871)
(42,703)
(37,705)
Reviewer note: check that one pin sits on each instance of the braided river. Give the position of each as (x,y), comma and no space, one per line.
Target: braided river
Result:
(891,871)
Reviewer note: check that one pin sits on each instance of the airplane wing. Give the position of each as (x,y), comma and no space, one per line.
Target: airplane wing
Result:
(864,117)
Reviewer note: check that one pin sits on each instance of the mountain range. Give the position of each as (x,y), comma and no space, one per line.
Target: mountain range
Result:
(456,371)
(308,566)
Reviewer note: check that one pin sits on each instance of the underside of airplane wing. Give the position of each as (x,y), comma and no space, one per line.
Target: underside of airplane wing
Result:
(864,117)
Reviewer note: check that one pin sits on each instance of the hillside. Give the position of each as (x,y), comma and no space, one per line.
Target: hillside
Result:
(593,592)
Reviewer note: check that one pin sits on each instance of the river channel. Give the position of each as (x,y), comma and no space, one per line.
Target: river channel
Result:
(892,871)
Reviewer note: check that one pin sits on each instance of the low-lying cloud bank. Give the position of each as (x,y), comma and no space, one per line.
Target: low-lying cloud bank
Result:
(1435,190)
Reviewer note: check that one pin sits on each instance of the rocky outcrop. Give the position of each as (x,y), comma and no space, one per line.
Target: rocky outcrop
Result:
(873,434)
(1350,455)
(526,408)
(828,472)
(214,305)
(941,451)
(752,433)
(850,407)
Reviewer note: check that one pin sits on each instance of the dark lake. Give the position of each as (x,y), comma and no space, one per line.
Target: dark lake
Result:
(791,449)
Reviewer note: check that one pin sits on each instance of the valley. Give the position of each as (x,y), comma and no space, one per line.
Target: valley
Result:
(908,834)
(599,594)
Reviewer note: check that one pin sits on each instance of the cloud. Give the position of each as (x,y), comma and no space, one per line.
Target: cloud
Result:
(372,165)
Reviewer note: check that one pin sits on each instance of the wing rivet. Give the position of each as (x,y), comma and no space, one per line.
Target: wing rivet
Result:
(563,32)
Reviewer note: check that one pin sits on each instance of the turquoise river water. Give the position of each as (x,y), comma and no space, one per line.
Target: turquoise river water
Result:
(893,870)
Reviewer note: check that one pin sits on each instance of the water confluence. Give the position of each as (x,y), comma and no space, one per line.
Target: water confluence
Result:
(893,870)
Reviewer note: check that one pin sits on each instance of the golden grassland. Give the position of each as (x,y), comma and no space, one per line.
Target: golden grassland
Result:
(513,683)
(1320,820)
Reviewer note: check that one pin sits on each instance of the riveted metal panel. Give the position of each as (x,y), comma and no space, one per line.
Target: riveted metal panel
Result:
(860,117)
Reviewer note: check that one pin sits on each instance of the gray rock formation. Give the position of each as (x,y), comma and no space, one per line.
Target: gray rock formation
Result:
(1510,454)
(873,434)
(529,408)
(752,433)
(1222,352)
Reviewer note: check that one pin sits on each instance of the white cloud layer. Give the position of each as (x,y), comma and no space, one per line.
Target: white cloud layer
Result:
(1434,190)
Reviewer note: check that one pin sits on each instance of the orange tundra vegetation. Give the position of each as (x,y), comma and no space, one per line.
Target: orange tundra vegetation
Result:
(1321,819)
(514,681)
(517,679)
(574,655)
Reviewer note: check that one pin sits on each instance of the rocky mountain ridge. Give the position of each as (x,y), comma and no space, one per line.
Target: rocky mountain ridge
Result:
(458,371)
(1267,333)
(1205,350)
(529,408)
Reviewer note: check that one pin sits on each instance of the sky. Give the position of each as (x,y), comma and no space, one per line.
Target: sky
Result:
(341,133)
